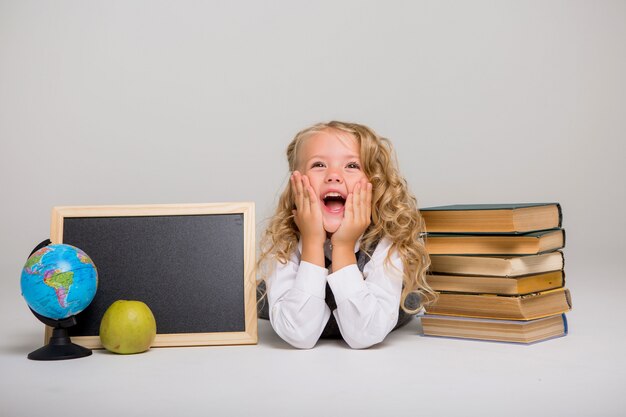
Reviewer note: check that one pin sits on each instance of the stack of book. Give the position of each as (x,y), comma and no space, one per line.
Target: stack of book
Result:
(498,271)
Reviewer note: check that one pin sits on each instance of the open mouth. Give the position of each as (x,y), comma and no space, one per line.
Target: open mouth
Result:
(334,202)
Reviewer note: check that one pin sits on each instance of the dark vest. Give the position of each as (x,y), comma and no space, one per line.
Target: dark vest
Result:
(331,331)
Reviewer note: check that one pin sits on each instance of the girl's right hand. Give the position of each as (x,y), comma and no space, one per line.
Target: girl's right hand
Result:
(308,213)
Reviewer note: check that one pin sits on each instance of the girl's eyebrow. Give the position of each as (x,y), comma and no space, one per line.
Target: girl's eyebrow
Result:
(347,156)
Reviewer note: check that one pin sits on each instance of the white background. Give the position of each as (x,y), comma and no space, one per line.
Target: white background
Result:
(187,102)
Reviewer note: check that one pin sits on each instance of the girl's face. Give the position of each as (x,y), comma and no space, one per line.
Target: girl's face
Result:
(331,161)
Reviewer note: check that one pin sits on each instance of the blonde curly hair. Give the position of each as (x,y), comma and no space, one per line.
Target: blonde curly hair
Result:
(394,212)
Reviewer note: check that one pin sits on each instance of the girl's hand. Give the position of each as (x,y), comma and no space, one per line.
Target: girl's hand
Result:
(356,218)
(308,213)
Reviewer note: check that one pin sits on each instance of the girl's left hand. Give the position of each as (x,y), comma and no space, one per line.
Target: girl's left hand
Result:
(357,216)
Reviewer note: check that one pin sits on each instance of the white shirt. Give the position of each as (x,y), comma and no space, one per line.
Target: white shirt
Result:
(367,303)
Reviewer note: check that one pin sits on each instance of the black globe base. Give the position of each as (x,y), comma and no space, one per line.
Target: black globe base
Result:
(59,347)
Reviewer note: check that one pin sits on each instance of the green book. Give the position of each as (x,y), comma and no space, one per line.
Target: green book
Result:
(493,218)
(495,244)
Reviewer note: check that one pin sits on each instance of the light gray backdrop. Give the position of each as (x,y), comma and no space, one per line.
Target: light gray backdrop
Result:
(137,102)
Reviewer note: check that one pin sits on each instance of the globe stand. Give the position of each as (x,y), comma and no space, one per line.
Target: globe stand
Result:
(59,346)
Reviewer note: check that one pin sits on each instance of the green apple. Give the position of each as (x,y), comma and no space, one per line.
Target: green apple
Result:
(127,327)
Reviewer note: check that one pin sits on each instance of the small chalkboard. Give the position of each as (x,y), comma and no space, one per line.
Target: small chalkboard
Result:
(192,264)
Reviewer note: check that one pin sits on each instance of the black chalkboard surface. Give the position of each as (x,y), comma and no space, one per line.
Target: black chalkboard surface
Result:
(193,265)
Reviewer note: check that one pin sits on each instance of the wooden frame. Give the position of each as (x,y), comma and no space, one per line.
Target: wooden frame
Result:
(249,335)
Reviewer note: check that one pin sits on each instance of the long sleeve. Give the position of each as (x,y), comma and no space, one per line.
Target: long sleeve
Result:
(297,307)
(367,304)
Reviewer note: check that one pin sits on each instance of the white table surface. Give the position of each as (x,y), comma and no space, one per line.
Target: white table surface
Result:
(582,374)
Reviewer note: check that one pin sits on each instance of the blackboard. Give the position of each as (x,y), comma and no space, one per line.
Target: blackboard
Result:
(192,264)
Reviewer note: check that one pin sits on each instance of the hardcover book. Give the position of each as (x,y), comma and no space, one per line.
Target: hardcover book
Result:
(464,244)
(495,330)
(498,266)
(492,218)
(497,285)
(522,307)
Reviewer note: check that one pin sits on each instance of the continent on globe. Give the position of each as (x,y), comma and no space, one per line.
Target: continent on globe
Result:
(82,256)
(61,282)
(35,261)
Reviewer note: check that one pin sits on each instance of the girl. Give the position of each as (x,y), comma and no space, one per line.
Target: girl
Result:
(342,256)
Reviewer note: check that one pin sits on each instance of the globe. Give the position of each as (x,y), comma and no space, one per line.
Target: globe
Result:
(59,281)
